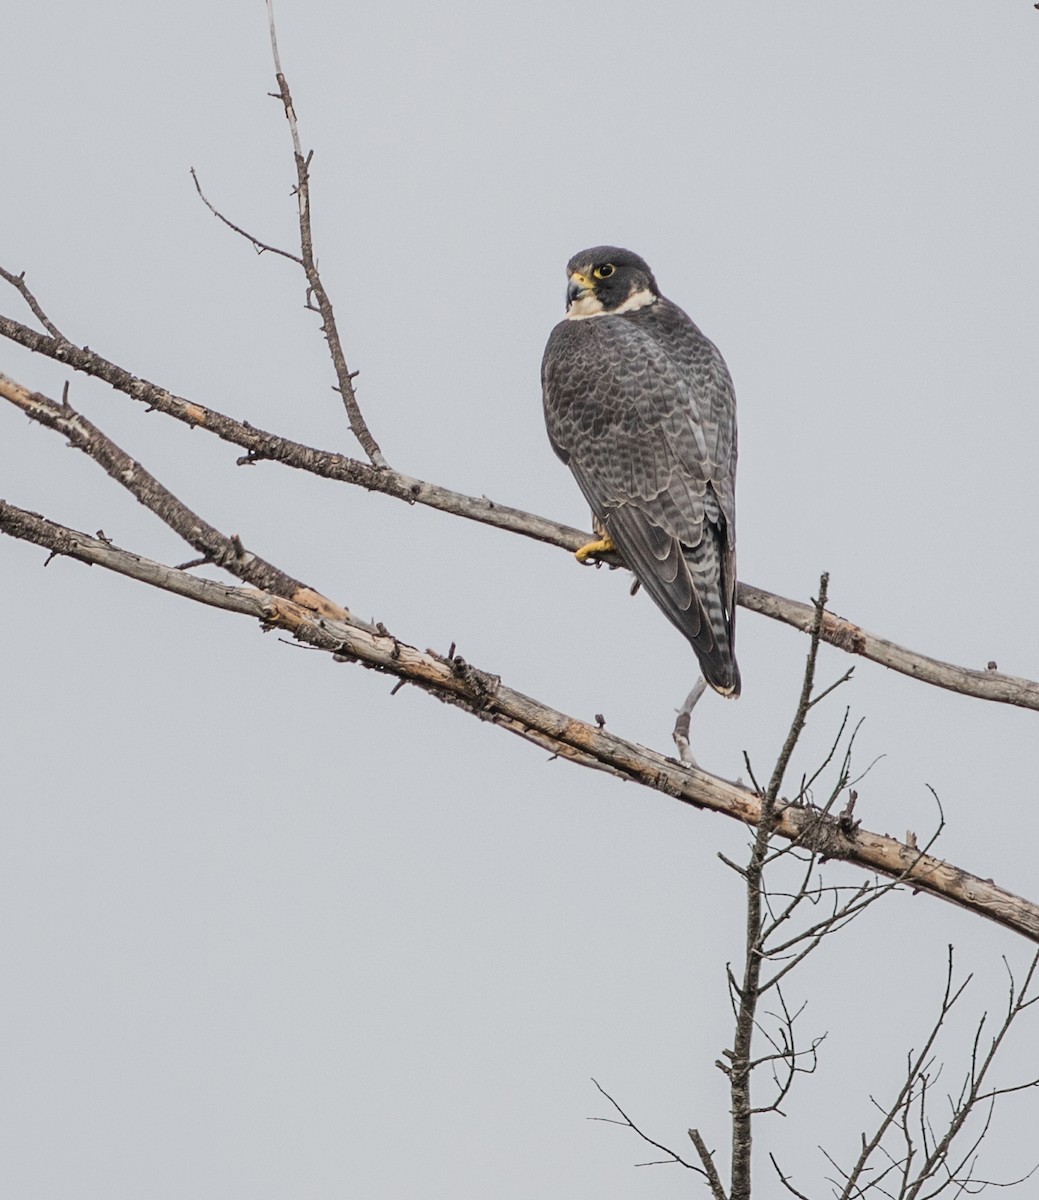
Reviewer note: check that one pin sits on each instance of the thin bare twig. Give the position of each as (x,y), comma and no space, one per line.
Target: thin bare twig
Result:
(922,1158)
(630,1124)
(259,246)
(315,287)
(811,936)
(786,1056)
(804,702)
(18,282)
(973,1092)
(785,1180)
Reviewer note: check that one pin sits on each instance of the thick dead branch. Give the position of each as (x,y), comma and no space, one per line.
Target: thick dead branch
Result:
(455,681)
(851,638)
(261,445)
(214,546)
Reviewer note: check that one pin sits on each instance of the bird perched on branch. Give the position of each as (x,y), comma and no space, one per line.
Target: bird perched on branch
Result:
(641,408)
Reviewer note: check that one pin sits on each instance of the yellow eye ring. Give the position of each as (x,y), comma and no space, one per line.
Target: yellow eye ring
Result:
(605,271)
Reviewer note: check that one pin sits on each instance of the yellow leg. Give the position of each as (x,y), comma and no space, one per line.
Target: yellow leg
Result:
(603,546)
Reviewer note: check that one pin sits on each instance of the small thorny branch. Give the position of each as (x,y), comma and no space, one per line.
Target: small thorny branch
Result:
(913,1153)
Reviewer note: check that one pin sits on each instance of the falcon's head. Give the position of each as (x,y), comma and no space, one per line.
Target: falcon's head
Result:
(607,281)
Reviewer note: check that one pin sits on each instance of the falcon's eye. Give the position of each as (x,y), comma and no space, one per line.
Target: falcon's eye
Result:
(605,271)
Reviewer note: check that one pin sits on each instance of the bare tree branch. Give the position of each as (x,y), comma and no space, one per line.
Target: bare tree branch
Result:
(921,1161)
(905,1095)
(923,1155)
(785,1180)
(851,638)
(710,1170)
(973,1094)
(316,289)
(787,1060)
(455,681)
(630,1124)
(805,701)
(215,547)
(261,445)
(748,992)
(259,246)
(18,282)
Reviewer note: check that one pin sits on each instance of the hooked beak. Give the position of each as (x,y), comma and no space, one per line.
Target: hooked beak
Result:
(579,285)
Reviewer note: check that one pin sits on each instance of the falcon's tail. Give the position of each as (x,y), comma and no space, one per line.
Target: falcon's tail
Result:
(694,586)
(716,651)
(712,572)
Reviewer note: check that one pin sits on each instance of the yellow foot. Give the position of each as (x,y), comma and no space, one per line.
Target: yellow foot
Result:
(603,546)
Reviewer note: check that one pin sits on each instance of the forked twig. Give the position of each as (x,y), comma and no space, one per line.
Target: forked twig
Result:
(315,286)
(18,282)
(672,1157)
(922,1160)
(260,246)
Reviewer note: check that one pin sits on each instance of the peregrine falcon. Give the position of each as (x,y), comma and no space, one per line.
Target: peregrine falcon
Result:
(641,408)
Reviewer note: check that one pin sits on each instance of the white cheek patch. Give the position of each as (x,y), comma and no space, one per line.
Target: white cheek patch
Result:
(590,305)
(640,299)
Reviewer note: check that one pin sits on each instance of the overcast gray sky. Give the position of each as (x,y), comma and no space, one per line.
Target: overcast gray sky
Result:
(269,933)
